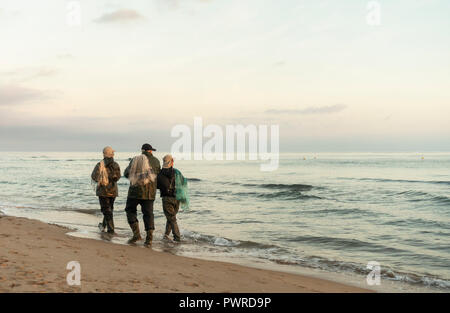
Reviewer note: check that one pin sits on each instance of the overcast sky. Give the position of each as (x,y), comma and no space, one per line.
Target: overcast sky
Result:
(133,69)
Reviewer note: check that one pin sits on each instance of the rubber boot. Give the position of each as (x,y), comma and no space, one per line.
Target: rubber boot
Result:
(136,233)
(102,225)
(176,232)
(149,238)
(110,226)
(168,229)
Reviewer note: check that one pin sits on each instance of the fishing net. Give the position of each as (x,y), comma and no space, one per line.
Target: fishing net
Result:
(141,173)
(181,189)
(99,176)
(102,178)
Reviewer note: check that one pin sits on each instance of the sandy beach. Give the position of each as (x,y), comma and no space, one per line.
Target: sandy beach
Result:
(34,256)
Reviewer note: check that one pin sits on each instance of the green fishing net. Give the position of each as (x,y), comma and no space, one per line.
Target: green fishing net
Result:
(181,188)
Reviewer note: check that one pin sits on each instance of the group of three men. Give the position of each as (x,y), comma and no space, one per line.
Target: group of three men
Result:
(145,175)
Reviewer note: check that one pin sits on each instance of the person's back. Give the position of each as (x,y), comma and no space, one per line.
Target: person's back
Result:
(144,191)
(113,174)
(166,182)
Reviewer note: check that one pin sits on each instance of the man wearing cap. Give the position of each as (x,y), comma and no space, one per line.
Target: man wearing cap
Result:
(167,187)
(142,191)
(106,174)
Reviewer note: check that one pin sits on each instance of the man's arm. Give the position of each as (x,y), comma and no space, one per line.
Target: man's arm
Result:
(115,173)
(94,174)
(156,165)
(127,170)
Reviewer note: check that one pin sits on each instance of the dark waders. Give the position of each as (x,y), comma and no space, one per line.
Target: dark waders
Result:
(148,217)
(171,207)
(107,208)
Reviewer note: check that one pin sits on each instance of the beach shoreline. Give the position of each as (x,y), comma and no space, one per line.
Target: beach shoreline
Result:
(35,256)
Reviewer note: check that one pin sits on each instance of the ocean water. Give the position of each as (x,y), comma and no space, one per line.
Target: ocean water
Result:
(325,212)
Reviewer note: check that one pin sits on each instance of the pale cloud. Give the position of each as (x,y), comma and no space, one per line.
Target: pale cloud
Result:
(27,74)
(120,16)
(311,110)
(15,95)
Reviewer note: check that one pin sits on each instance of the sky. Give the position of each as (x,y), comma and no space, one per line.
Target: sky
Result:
(130,71)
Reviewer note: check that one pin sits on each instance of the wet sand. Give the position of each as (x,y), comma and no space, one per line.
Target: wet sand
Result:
(34,257)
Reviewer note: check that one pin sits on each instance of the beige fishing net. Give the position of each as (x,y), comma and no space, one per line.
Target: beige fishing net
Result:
(141,173)
(102,178)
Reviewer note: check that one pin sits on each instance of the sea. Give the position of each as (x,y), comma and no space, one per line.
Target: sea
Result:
(326,215)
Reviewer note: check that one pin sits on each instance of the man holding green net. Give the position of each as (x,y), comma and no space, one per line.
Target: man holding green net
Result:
(174,192)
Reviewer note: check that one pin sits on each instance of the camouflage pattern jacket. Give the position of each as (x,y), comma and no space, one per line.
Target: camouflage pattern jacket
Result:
(114,175)
(148,191)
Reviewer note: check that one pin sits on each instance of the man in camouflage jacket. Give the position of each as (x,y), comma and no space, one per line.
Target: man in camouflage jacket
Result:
(107,193)
(143,195)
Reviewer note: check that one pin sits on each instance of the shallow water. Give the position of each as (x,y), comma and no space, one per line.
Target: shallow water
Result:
(330,212)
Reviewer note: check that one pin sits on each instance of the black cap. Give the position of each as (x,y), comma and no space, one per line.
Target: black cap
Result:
(147,147)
